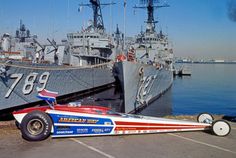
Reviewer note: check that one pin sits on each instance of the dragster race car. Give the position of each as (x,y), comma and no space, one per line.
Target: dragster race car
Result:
(74,119)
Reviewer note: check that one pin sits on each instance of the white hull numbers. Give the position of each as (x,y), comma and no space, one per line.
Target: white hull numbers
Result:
(145,87)
(29,82)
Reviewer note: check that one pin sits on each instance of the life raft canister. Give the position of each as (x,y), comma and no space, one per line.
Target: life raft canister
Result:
(121,57)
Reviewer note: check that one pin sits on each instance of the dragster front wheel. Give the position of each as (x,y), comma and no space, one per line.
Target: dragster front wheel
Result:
(36,126)
(205,118)
(221,128)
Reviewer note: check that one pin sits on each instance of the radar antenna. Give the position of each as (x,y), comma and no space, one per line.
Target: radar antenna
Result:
(22,33)
(150,5)
(97,13)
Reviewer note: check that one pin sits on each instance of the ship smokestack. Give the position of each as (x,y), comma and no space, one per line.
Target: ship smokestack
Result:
(232,10)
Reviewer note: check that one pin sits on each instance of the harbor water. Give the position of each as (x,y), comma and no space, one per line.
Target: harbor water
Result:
(211,88)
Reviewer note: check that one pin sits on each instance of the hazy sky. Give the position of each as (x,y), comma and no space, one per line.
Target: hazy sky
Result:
(198,28)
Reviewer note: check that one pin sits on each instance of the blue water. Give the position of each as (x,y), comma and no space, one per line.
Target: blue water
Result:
(211,88)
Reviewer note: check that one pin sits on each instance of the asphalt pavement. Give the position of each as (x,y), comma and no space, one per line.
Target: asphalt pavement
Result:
(166,145)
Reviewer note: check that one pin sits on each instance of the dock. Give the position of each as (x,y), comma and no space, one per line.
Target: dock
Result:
(166,145)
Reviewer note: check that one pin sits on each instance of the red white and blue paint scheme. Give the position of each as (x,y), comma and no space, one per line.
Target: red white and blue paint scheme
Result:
(73,120)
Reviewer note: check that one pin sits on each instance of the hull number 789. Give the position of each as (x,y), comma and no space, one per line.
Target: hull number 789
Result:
(29,82)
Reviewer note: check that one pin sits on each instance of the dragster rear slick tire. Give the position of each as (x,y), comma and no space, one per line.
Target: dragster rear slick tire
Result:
(36,126)
(221,128)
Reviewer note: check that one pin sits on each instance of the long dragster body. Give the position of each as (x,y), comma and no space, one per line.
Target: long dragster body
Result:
(75,120)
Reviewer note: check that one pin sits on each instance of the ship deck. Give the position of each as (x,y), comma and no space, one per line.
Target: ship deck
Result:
(178,145)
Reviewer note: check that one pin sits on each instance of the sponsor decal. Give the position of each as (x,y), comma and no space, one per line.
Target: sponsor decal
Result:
(68,120)
(82,130)
(63,128)
(107,123)
(89,130)
(101,130)
(92,121)
(77,120)
(72,119)
(64,132)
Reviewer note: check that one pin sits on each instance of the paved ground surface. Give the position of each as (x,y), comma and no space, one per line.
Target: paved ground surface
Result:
(168,145)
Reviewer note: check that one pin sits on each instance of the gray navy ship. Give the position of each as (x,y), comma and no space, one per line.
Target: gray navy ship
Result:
(145,72)
(79,64)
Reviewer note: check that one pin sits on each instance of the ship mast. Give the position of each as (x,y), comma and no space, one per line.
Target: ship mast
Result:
(150,6)
(97,13)
(22,33)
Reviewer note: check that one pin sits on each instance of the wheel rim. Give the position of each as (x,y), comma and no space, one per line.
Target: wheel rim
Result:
(205,118)
(35,126)
(221,128)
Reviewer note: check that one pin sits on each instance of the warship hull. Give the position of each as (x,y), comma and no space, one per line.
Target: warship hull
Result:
(20,83)
(141,83)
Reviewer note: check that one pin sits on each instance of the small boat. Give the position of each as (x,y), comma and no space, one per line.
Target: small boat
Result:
(182,71)
(74,119)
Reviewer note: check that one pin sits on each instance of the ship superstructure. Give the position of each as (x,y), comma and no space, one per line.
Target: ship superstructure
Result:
(20,46)
(92,45)
(152,46)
